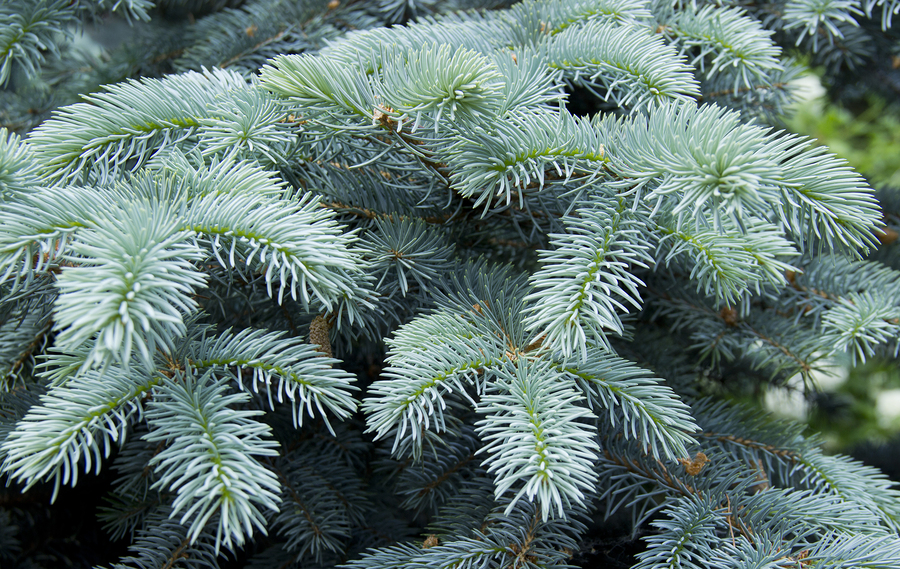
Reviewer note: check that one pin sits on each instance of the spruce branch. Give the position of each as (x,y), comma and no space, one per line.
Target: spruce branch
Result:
(588,278)
(208,460)
(624,64)
(684,538)
(825,203)
(793,460)
(888,9)
(131,501)
(726,265)
(294,243)
(433,83)
(319,508)
(38,230)
(407,250)
(528,83)
(127,124)
(524,151)
(30,29)
(437,479)
(534,440)
(22,336)
(820,18)
(164,543)
(862,550)
(558,15)
(518,539)
(18,165)
(220,176)
(244,37)
(648,410)
(854,482)
(317,83)
(307,379)
(251,124)
(860,322)
(74,427)
(480,32)
(725,170)
(129,287)
(727,39)
(414,395)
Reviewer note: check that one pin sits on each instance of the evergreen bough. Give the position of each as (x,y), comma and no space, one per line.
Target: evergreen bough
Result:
(315,281)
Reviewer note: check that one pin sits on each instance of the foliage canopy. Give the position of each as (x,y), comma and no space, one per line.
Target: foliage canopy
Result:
(320,290)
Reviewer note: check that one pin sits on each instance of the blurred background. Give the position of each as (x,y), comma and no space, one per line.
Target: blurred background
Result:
(856,410)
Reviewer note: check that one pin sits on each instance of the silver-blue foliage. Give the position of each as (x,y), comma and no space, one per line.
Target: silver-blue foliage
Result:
(309,283)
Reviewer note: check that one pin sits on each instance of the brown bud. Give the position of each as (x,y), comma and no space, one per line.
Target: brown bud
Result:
(693,467)
(431,541)
(318,334)
(887,236)
(730,316)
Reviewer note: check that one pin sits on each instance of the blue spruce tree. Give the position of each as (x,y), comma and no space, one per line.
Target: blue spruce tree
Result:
(421,284)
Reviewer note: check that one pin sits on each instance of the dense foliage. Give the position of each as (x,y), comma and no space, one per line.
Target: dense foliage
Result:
(408,283)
